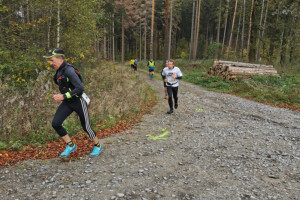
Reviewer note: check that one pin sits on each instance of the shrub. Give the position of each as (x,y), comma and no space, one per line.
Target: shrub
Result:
(26,114)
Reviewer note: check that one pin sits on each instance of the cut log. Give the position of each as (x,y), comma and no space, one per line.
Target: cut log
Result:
(241,64)
(231,70)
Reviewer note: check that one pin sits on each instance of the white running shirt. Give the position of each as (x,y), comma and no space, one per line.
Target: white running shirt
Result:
(168,74)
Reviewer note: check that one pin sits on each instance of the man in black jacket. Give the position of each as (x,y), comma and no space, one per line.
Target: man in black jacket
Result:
(165,84)
(71,89)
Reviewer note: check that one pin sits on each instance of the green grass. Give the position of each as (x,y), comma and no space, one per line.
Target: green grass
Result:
(268,89)
(276,90)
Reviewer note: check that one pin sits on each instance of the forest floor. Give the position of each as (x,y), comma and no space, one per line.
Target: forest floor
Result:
(214,146)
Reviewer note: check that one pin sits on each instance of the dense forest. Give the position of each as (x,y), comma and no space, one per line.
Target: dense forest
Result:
(264,31)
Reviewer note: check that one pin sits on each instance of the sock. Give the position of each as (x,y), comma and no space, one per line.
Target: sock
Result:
(71,144)
(97,145)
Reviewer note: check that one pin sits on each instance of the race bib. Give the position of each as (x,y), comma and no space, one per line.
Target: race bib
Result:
(171,80)
(86,98)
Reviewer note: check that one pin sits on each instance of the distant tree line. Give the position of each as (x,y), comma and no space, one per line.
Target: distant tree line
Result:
(94,30)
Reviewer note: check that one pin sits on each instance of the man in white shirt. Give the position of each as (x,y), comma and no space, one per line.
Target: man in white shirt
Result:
(171,76)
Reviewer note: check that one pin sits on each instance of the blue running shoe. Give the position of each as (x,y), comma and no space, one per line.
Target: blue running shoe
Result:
(67,151)
(96,151)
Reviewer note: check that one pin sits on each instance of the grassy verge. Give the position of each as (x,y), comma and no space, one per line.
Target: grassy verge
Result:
(281,91)
(117,96)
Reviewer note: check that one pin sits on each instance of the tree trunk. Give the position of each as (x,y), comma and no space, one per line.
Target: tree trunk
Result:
(197,32)
(273,38)
(49,32)
(140,39)
(58,24)
(283,49)
(219,29)
(206,41)
(233,21)
(195,29)
(237,35)
(225,28)
(253,34)
(250,26)
(104,44)
(123,40)
(109,43)
(265,20)
(28,18)
(166,30)
(152,27)
(97,48)
(136,47)
(292,39)
(113,40)
(145,42)
(170,30)
(192,31)
(243,30)
(259,30)
(155,45)
(292,50)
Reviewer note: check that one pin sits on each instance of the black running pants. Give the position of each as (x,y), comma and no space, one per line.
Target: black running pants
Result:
(172,91)
(65,109)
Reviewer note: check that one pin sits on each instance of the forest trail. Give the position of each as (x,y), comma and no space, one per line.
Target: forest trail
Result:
(214,146)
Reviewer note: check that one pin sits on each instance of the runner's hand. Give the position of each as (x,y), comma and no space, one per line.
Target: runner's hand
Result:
(173,75)
(58,97)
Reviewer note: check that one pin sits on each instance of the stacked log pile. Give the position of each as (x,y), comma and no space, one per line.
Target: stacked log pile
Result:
(231,70)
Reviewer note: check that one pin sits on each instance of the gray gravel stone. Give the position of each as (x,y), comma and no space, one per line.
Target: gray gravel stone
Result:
(218,146)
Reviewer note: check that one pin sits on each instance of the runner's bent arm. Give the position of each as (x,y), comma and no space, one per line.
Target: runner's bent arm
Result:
(75,81)
(163,74)
(179,74)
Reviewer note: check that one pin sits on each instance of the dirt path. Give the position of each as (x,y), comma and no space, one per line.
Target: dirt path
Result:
(215,146)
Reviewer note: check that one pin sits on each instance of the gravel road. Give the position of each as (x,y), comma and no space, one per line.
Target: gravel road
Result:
(214,146)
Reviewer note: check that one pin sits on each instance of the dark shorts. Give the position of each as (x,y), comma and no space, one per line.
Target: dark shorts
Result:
(134,68)
(151,69)
(132,65)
